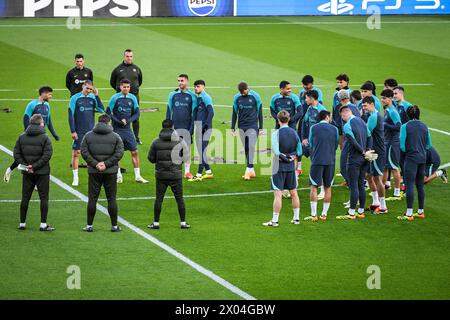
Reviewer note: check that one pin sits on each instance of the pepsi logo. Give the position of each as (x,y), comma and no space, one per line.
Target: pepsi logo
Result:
(202,7)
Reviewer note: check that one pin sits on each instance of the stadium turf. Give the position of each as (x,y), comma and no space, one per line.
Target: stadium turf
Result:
(322,260)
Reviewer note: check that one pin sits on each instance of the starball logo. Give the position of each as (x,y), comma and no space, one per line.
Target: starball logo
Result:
(202,7)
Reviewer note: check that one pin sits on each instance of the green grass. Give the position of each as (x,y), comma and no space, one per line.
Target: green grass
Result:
(324,260)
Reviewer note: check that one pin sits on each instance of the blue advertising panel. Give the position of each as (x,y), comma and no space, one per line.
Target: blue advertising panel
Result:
(339,7)
(199,8)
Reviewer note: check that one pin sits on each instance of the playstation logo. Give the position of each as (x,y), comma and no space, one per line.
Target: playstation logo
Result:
(336,7)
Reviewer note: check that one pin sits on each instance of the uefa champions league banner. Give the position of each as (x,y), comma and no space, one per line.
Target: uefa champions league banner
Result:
(202,8)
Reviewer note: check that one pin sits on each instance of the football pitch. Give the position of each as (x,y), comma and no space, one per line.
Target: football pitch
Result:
(229,254)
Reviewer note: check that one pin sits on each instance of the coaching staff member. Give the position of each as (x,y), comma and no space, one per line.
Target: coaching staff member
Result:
(168,152)
(34,150)
(128,70)
(78,75)
(102,149)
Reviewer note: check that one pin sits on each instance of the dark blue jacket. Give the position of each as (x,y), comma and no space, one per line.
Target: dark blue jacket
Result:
(337,119)
(285,143)
(123,107)
(180,107)
(302,98)
(204,111)
(289,103)
(402,108)
(42,108)
(375,124)
(364,115)
(358,138)
(433,157)
(392,124)
(82,112)
(323,142)
(311,118)
(247,111)
(415,140)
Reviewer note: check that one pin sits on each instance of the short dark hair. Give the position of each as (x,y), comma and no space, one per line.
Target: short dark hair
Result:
(183,75)
(125,81)
(356,94)
(45,89)
(36,119)
(390,82)
(127,50)
(284,83)
(387,93)
(343,77)
(167,124)
(283,116)
(312,94)
(413,112)
(242,86)
(307,79)
(402,89)
(323,114)
(367,86)
(368,100)
(374,87)
(88,82)
(199,82)
(79,56)
(104,118)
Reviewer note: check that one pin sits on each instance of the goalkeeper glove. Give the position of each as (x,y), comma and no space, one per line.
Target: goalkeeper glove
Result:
(370,155)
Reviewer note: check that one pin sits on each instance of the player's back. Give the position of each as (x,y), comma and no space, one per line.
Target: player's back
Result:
(415,141)
(323,140)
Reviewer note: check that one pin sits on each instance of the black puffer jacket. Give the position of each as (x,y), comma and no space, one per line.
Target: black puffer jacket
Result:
(34,147)
(102,144)
(161,154)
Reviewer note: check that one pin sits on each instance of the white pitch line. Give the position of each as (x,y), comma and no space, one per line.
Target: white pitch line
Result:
(443,166)
(37,200)
(152,239)
(440,131)
(307,23)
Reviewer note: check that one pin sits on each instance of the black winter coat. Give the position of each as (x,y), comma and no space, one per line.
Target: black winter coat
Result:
(102,144)
(34,147)
(168,152)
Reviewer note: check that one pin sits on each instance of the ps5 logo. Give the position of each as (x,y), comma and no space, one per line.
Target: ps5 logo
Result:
(397,4)
(202,7)
(336,7)
(432,4)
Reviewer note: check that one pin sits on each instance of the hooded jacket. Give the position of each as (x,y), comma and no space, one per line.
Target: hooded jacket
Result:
(34,147)
(161,150)
(102,145)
